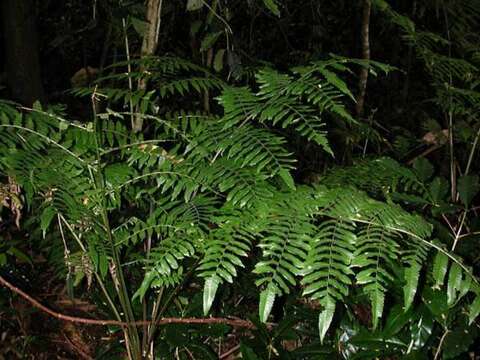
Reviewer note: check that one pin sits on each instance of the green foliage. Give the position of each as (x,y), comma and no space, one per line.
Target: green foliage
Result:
(204,192)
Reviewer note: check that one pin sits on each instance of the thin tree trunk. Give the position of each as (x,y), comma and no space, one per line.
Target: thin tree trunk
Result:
(21,51)
(367,6)
(149,46)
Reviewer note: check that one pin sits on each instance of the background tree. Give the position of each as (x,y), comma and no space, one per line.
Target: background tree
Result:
(22,63)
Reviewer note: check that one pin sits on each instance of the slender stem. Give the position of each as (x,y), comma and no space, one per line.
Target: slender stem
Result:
(459,231)
(227,26)
(66,250)
(156,307)
(147,246)
(472,152)
(99,279)
(439,349)
(129,69)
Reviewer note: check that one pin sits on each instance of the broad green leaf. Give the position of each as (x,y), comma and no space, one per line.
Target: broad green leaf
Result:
(436,302)
(468,187)
(267,298)
(454,283)
(474,310)
(464,286)
(440,266)
(412,274)
(421,329)
(325,318)
(209,291)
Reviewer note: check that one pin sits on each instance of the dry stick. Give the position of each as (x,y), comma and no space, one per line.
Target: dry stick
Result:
(171,320)
(367,6)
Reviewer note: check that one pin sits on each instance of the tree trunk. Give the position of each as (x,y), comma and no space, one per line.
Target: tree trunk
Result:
(22,62)
(149,46)
(367,5)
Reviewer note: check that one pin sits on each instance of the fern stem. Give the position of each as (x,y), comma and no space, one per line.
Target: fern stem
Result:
(97,276)
(158,312)
(118,278)
(129,69)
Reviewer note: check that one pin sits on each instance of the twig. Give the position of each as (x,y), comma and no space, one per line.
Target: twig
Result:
(170,320)
(459,231)
(82,353)
(439,349)
(229,352)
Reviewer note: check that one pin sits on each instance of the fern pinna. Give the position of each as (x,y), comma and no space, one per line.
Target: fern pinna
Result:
(200,192)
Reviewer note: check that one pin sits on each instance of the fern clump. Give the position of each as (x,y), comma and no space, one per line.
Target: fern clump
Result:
(202,192)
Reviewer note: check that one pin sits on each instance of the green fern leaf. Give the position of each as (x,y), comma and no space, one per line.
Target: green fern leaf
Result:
(325,318)
(267,298)
(375,255)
